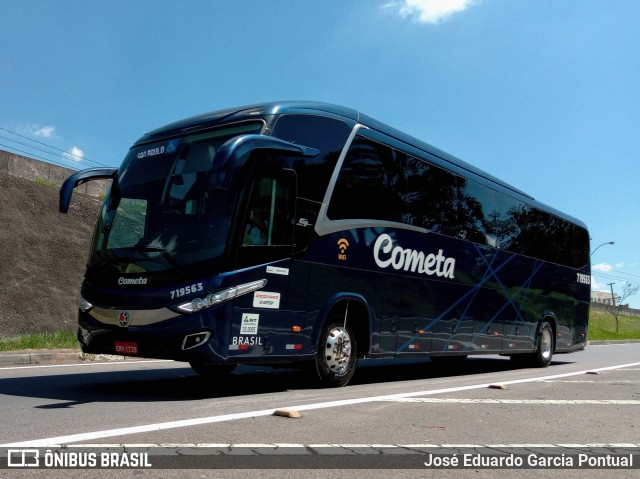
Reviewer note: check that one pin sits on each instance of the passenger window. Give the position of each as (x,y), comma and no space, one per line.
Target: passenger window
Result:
(367,186)
(432,197)
(328,135)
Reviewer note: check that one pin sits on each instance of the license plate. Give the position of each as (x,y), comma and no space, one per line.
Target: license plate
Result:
(127,348)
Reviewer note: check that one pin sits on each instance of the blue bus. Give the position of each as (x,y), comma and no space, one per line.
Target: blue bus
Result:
(309,234)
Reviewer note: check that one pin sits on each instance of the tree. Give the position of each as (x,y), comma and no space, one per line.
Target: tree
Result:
(614,309)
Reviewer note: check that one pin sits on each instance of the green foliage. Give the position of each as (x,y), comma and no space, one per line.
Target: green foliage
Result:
(55,340)
(603,326)
(42,182)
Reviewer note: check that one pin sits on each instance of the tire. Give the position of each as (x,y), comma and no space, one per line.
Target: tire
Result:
(544,352)
(212,370)
(337,355)
(543,355)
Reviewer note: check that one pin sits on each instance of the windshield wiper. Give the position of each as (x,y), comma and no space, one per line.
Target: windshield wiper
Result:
(165,254)
(120,257)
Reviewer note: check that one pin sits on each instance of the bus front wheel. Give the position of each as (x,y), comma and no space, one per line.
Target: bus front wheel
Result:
(337,356)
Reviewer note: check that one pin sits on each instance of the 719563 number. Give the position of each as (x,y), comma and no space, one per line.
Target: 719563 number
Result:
(583,278)
(186,290)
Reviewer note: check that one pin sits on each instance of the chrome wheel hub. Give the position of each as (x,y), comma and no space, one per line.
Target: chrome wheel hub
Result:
(338,350)
(545,346)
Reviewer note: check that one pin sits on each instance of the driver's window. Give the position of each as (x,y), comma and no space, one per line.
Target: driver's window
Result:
(269,218)
(256,231)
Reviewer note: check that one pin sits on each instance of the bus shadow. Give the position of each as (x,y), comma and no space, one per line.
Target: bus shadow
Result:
(182,384)
(376,371)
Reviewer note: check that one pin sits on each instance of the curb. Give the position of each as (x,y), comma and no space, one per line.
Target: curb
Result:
(54,356)
(28,357)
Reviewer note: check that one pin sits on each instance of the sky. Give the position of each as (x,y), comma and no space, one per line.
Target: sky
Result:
(543,94)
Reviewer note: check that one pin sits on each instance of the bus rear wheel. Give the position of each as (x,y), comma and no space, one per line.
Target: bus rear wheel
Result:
(337,355)
(543,354)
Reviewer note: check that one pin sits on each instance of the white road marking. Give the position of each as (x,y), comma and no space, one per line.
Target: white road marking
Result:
(348,446)
(608,402)
(59,440)
(624,381)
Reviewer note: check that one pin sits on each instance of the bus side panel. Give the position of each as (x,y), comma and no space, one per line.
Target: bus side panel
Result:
(413,336)
(269,325)
(330,285)
(390,291)
(520,331)
(477,300)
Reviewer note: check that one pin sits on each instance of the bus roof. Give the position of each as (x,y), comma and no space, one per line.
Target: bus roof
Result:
(262,110)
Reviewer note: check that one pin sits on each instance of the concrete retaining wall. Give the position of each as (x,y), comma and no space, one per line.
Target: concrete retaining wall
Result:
(626,311)
(30,169)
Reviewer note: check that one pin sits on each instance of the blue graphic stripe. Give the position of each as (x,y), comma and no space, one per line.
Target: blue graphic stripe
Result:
(470,296)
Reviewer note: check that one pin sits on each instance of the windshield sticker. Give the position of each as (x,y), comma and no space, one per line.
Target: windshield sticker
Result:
(263,299)
(278,270)
(399,258)
(249,324)
(158,150)
(172,146)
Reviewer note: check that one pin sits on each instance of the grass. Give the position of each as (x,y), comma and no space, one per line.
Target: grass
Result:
(55,340)
(602,326)
(42,182)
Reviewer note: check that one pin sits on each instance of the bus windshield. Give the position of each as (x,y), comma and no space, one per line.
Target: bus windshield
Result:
(162,211)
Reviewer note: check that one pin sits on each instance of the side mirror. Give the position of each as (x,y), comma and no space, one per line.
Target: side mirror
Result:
(230,155)
(90,174)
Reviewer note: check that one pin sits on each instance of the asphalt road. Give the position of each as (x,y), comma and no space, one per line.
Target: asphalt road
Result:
(587,402)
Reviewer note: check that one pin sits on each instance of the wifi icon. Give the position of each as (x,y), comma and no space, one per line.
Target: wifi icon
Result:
(343,244)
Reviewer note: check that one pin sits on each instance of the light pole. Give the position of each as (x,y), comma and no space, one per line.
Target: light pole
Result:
(608,242)
(610,284)
(613,298)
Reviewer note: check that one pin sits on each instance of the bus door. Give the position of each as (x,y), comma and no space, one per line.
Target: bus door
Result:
(270,321)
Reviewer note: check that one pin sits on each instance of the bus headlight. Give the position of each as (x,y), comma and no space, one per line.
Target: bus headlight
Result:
(218,297)
(83,335)
(85,305)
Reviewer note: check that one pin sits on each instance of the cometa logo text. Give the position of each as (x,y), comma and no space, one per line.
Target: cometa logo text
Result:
(385,255)
(122,280)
